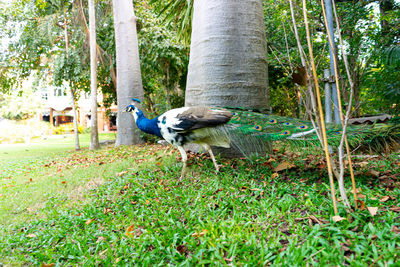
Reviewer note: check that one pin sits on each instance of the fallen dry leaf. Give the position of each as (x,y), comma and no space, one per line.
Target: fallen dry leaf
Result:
(372,173)
(338,218)
(361,204)
(132,232)
(316,220)
(121,173)
(345,246)
(47,265)
(384,199)
(362,164)
(274,175)
(395,209)
(100,239)
(182,249)
(202,233)
(89,221)
(395,229)
(283,166)
(372,210)
(31,235)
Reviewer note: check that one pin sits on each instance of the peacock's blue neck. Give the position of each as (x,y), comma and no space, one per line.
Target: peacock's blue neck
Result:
(148,126)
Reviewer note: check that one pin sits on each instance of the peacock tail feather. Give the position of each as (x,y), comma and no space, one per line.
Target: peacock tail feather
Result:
(267,129)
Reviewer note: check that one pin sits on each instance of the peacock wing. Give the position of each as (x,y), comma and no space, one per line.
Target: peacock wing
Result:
(201,117)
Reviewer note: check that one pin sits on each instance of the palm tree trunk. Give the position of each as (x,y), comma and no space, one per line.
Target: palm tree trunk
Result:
(94,135)
(129,81)
(227,65)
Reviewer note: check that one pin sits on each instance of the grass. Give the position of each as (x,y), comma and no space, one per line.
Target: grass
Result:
(26,182)
(125,206)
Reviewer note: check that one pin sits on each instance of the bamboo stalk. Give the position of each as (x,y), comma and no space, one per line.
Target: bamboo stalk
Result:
(344,121)
(309,89)
(321,114)
(346,64)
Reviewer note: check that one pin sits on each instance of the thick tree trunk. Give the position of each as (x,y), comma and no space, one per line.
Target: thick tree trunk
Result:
(228,65)
(129,80)
(94,135)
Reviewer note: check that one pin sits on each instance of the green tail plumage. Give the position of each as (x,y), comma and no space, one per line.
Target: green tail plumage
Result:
(269,128)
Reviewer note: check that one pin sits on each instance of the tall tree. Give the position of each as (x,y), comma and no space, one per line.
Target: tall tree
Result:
(94,135)
(129,81)
(227,65)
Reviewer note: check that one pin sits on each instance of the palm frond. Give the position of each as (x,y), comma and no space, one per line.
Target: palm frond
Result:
(391,55)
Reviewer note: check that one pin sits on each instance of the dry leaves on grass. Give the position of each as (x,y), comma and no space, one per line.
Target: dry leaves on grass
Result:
(361,204)
(89,221)
(131,231)
(183,250)
(384,199)
(395,209)
(313,219)
(338,218)
(31,235)
(202,233)
(372,210)
(120,174)
(395,230)
(283,166)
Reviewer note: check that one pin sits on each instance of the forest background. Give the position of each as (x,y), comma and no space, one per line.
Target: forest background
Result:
(33,45)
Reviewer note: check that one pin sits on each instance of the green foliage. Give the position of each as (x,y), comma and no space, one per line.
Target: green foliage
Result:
(164,61)
(178,16)
(67,67)
(19,105)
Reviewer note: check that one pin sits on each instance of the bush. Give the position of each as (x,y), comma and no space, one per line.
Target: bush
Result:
(67,128)
(12,131)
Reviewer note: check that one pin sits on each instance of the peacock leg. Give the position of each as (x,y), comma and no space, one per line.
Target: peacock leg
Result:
(184,160)
(209,150)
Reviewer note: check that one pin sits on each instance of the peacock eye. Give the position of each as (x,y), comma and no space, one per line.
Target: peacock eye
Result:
(272,121)
(236,118)
(287,123)
(234,113)
(257,127)
(285,133)
(303,127)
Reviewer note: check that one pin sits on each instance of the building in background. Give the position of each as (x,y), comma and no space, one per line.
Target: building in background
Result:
(57,109)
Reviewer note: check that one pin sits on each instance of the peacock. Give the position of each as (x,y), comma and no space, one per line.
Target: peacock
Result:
(249,131)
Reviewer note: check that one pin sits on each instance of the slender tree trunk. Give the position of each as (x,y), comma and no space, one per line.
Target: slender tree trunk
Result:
(168,88)
(129,81)
(227,65)
(72,91)
(76,132)
(94,135)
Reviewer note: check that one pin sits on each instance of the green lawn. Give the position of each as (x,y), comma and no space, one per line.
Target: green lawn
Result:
(126,206)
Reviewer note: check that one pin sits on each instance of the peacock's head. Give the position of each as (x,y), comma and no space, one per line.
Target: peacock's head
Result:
(130,108)
(133,109)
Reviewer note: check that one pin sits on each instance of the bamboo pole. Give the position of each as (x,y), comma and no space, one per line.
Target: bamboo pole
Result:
(346,63)
(321,114)
(344,122)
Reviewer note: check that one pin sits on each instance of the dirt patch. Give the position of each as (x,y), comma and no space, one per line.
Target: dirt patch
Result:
(80,193)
